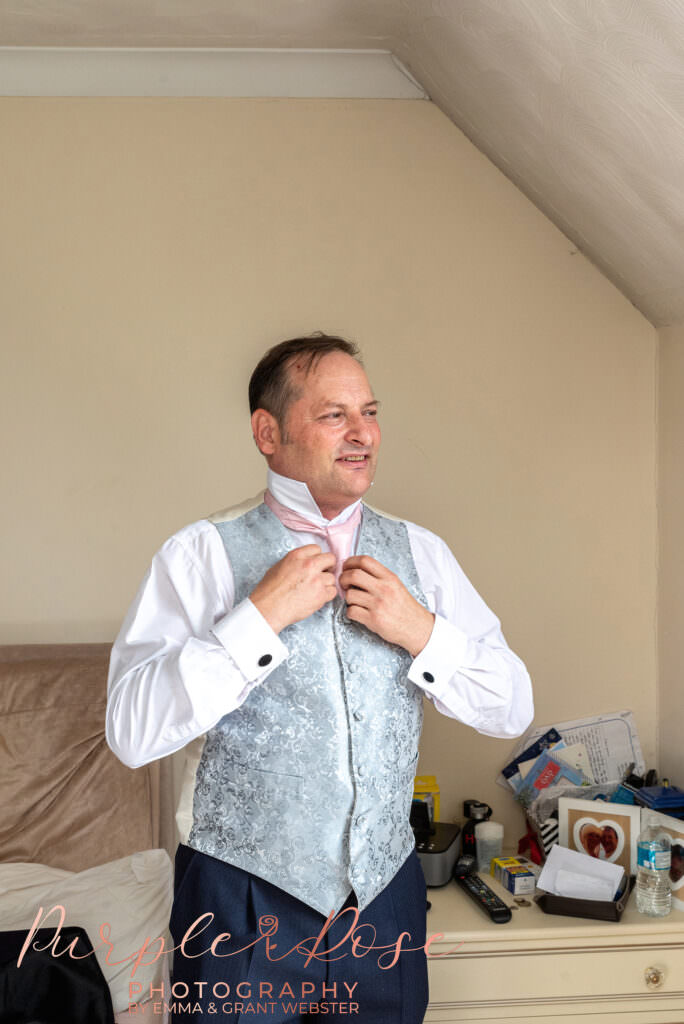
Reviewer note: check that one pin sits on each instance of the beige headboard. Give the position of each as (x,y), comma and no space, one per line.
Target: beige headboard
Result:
(65,800)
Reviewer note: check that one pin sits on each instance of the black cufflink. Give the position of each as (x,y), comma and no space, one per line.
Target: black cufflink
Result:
(427,676)
(265,660)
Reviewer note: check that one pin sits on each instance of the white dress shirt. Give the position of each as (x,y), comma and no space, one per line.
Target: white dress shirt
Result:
(186,655)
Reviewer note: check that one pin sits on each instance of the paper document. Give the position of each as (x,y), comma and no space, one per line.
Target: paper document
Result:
(530,753)
(546,772)
(578,758)
(568,873)
(611,742)
(525,767)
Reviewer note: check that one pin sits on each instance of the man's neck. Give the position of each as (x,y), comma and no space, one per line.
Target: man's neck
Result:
(331,512)
(296,495)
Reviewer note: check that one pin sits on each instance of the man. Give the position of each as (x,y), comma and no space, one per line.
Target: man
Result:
(287,645)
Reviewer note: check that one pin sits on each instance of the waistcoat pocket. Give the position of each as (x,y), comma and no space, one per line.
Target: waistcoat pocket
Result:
(273,783)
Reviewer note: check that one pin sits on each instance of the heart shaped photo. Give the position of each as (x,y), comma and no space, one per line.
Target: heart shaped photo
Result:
(604,840)
(600,829)
(677,869)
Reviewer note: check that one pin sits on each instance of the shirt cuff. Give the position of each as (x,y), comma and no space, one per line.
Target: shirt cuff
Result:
(442,655)
(246,635)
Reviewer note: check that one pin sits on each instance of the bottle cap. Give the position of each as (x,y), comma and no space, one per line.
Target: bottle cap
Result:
(489,830)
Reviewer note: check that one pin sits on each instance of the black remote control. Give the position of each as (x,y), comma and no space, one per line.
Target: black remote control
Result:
(485,898)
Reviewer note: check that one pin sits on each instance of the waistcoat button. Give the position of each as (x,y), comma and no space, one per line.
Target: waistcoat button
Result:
(358,715)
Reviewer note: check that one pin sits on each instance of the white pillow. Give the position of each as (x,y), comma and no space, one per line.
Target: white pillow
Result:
(133,895)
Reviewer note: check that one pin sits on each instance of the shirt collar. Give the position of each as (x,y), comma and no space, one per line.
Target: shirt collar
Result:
(296,495)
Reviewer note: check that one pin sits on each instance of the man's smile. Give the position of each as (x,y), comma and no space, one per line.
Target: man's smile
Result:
(353,460)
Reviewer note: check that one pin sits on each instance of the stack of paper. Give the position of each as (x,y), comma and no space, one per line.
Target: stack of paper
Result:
(569,873)
(599,749)
(549,769)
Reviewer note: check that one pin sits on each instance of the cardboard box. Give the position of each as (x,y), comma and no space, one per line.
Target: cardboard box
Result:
(425,788)
(514,875)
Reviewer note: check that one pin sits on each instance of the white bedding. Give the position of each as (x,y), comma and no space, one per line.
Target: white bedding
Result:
(133,895)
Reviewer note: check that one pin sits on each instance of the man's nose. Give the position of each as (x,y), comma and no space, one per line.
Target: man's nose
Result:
(359,430)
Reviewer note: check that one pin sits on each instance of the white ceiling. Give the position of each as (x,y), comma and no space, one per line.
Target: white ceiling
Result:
(579,102)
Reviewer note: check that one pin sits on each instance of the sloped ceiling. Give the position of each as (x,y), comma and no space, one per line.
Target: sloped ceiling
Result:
(579,102)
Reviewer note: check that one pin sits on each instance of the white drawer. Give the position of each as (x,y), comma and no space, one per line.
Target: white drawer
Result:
(571,974)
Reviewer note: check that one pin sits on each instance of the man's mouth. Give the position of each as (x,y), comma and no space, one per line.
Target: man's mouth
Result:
(353,459)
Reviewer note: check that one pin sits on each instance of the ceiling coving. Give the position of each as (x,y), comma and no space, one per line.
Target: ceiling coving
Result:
(579,102)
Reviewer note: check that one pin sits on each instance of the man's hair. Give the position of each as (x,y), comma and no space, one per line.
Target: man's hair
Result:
(271,386)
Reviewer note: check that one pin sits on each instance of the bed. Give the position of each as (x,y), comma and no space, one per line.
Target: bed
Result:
(78,830)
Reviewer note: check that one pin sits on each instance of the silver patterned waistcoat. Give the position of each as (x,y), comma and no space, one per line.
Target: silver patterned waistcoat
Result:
(308,783)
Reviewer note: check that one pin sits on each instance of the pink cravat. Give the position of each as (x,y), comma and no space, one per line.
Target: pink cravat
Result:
(339,536)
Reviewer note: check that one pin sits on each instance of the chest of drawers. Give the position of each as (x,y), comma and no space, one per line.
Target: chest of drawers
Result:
(552,970)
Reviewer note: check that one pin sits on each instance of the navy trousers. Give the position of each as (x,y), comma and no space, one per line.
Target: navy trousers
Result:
(261,972)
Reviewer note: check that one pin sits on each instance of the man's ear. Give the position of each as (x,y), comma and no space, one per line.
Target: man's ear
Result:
(266,431)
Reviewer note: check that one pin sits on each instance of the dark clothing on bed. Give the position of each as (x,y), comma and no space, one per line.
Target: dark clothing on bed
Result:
(49,989)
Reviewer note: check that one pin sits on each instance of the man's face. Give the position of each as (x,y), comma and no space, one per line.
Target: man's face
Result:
(332,435)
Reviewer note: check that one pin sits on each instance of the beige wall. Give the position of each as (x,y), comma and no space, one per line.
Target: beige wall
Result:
(671,554)
(157,247)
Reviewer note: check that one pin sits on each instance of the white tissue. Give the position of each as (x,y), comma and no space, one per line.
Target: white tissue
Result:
(582,887)
(569,873)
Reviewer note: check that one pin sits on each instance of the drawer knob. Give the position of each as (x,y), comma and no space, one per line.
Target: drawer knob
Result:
(654,977)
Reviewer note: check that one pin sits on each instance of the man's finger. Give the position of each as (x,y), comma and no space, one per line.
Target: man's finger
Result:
(326,560)
(355,613)
(356,578)
(307,549)
(358,598)
(368,564)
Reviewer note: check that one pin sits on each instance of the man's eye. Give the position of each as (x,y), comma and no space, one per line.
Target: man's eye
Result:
(371,412)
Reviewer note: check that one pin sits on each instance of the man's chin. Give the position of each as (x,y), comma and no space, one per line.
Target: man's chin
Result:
(356,474)
(358,492)
(360,479)
(352,490)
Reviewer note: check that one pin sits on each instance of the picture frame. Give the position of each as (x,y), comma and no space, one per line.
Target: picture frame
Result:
(604,830)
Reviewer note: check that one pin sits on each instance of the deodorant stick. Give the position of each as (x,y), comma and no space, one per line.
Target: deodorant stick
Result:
(488,843)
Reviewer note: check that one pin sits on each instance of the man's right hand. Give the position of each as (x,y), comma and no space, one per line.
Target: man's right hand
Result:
(295,587)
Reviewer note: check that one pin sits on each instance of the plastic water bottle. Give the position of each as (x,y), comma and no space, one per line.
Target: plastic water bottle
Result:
(653,891)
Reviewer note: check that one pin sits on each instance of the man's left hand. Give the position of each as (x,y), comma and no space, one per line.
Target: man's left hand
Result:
(379,600)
